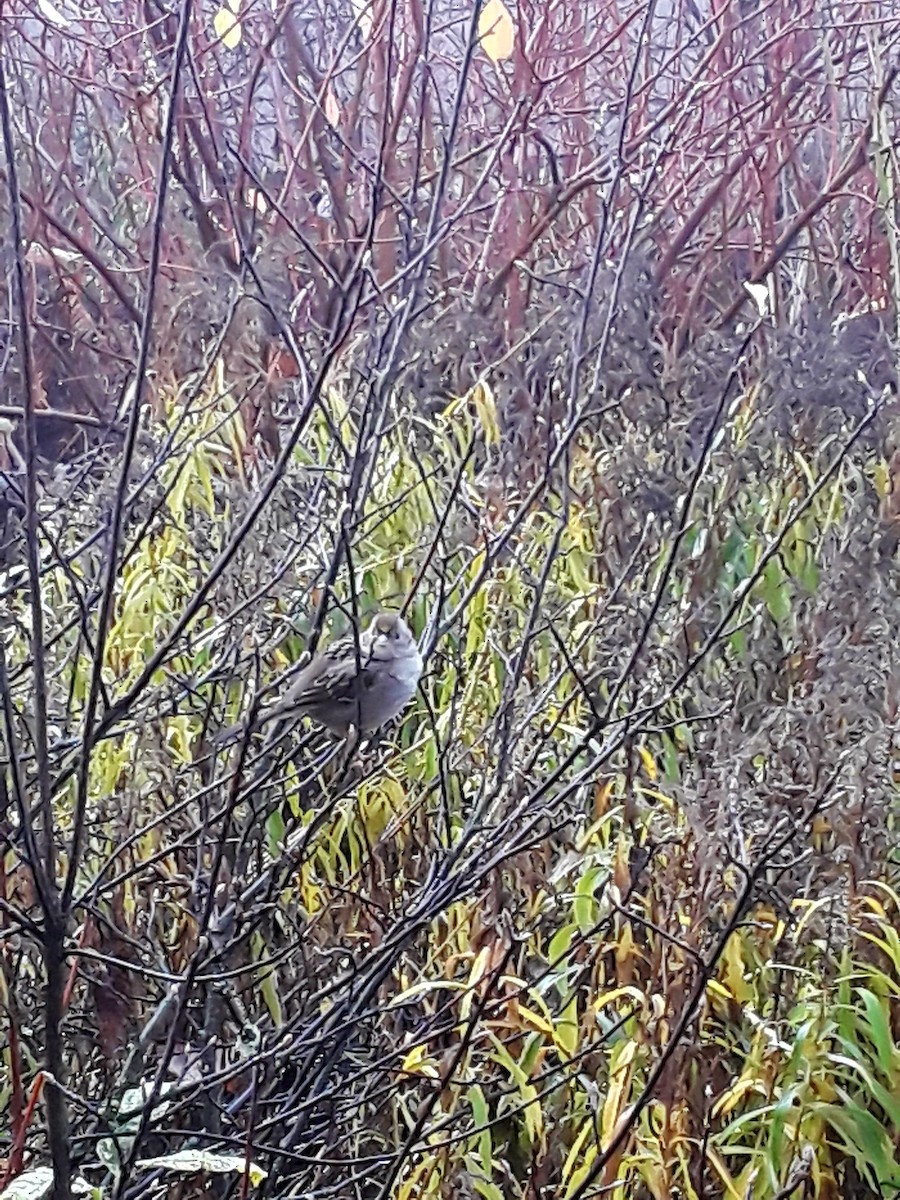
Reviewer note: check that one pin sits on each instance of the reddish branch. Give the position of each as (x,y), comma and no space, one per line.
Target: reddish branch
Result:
(856,159)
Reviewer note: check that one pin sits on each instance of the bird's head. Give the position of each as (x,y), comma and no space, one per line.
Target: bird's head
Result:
(390,632)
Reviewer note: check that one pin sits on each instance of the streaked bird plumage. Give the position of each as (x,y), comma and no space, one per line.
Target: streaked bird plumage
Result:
(354,685)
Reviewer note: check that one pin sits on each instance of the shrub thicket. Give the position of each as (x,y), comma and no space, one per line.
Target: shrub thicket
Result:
(313,311)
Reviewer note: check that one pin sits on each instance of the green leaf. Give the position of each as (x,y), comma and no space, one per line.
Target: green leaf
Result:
(777,1153)
(534,1044)
(865,1140)
(733,553)
(878,1093)
(879,1029)
(585,906)
(482,1118)
(486,1188)
(577,564)
(776,591)
(567,1027)
(808,574)
(670,768)
(738,643)
(275,830)
(559,945)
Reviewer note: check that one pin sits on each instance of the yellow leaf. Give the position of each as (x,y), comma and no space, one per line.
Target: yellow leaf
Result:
(530,1017)
(424,1181)
(268,986)
(608,997)
(496,31)
(418,1062)
(578,1176)
(655,1176)
(567,1029)
(734,971)
(734,1192)
(876,907)
(486,411)
(625,952)
(479,969)
(534,1117)
(648,761)
(733,1096)
(587,1130)
(657,795)
(620,1077)
(228,28)
(882,477)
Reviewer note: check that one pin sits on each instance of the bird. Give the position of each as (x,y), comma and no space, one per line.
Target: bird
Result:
(348,685)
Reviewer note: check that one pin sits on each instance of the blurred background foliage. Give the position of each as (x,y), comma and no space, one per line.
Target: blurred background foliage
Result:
(451,315)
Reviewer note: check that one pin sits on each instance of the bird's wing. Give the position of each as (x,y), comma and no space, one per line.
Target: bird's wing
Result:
(329,677)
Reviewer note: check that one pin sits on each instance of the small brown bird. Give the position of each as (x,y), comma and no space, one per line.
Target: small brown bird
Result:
(347,686)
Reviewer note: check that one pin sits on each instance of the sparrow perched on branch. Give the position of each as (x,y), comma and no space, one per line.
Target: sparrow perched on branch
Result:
(349,685)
